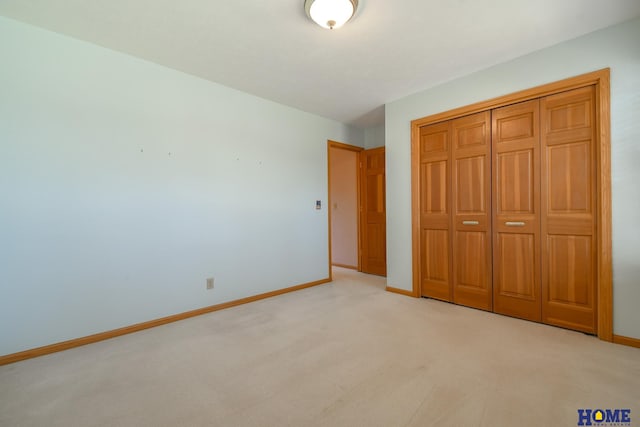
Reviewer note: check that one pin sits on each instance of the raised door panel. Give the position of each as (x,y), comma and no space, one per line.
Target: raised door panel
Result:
(373,211)
(516,210)
(568,174)
(570,270)
(375,249)
(517,271)
(434,187)
(471,225)
(516,276)
(516,196)
(470,273)
(568,203)
(435,264)
(435,178)
(471,194)
(434,142)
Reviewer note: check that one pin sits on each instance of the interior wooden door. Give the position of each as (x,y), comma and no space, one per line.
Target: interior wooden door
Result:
(516,210)
(435,247)
(471,210)
(373,210)
(569,206)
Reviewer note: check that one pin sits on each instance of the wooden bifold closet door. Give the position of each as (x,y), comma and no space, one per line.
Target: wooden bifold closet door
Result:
(471,210)
(435,185)
(516,210)
(508,210)
(455,211)
(568,209)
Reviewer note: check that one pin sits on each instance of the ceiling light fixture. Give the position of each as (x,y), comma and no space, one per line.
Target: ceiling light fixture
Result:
(330,14)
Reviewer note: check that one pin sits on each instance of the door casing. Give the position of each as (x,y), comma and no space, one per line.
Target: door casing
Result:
(361,218)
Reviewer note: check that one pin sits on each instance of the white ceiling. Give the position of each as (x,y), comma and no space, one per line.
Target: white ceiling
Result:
(269,48)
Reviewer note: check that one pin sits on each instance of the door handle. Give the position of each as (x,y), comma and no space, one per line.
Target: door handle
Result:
(514,223)
(470,223)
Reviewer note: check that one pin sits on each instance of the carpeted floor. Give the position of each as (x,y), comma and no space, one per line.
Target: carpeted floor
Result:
(341,354)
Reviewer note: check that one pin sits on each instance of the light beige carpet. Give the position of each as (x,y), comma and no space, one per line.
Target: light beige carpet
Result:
(341,354)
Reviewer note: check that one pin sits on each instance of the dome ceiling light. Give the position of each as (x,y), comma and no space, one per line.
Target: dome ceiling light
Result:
(330,14)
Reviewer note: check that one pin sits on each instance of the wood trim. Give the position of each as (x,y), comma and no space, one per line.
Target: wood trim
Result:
(65,345)
(601,80)
(415,207)
(631,342)
(335,144)
(576,82)
(328,207)
(400,291)
(603,187)
(376,149)
(359,207)
(350,267)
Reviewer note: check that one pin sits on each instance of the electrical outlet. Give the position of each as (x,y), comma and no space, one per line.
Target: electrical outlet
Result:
(210,283)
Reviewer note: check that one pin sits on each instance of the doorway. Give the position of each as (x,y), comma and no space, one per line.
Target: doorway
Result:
(357,212)
(344,184)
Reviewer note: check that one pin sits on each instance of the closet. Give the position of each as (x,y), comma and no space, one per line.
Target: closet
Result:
(506,209)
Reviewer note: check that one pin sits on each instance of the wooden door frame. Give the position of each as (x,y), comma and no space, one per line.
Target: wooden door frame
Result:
(339,145)
(601,80)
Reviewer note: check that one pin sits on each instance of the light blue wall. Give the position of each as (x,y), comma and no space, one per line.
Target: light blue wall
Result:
(374,137)
(124,185)
(616,47)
